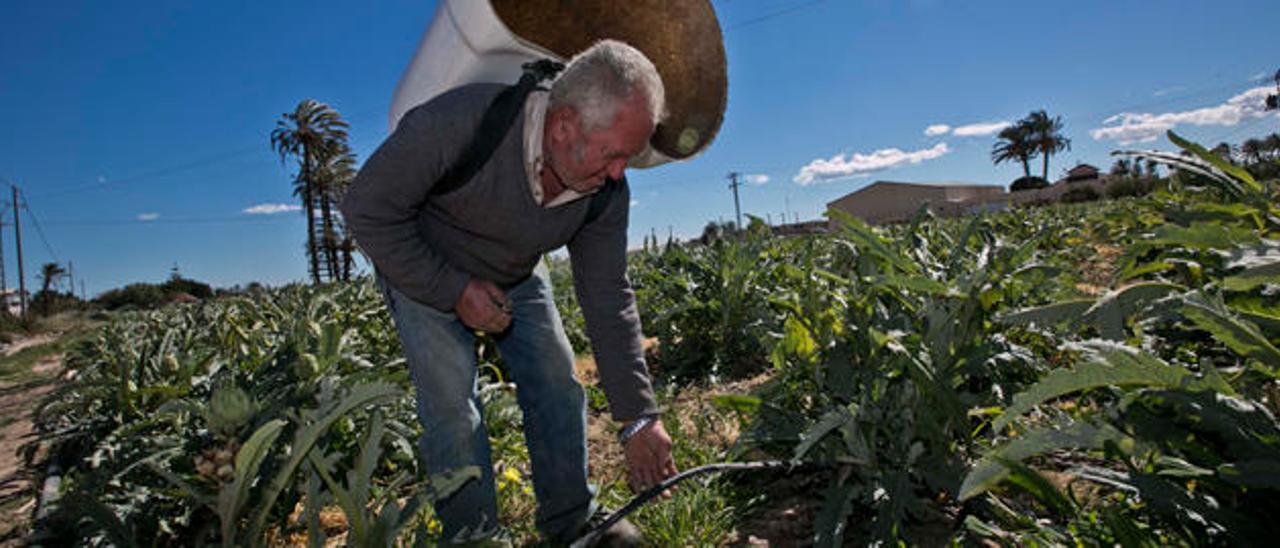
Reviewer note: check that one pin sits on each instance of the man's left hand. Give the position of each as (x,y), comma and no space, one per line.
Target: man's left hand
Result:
(649,458)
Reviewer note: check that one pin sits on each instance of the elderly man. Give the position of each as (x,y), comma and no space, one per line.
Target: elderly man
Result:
(470,259)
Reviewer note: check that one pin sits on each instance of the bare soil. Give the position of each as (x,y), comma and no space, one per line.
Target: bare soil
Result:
(17,403)
(783,521)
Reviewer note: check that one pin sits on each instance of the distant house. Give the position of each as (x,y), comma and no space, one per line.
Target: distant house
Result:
(885,202)
(801,228)
(12,300)
(1080,176)
(1082,172)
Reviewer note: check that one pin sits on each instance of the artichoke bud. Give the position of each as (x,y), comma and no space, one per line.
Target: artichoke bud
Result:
(229,410)
(206,469)
(307,366)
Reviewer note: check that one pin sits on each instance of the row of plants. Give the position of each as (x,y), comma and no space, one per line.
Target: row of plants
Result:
(1094,374)
(236,423)
(1090,373)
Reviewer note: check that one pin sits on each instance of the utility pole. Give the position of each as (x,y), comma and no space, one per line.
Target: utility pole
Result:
(17,236)
(733,176)
(1273,101)
(83,294)
(71,278)
(4,285)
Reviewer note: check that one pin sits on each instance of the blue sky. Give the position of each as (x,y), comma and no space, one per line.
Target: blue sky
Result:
(138,131)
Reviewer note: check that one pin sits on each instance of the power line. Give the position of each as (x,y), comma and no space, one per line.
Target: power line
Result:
(177,221)
(209,160)
(779,13)
(39,230)
(216,158)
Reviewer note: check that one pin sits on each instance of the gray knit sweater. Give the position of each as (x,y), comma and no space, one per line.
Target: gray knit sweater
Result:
(428,246)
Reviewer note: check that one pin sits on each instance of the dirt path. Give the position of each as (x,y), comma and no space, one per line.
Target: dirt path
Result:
(17,403)
(13,348)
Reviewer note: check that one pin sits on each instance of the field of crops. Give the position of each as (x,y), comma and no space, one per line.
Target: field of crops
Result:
(1090,374)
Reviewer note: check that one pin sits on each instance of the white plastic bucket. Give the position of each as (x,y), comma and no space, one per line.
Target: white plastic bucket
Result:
(466,43)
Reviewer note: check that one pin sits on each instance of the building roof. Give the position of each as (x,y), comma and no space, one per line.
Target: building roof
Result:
(939,185)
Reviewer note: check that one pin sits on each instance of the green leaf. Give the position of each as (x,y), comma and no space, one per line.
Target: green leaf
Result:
(831,421)
(737,402)
(101,516)
(232,497)
(1256,473)
(1035,484)
(1030,270)
(1109,313)
(1267,321)
(865,240)
(1229,213)
(921,284)
(1105,364)
(1236,333)
(796,340)
(1050,314)
(1241,177)
(1136,270)
(306,437)
(830,523)
(1259,269)
(1202,236)
(990,471)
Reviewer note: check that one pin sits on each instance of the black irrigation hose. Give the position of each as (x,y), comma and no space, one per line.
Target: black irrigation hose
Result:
(791,466)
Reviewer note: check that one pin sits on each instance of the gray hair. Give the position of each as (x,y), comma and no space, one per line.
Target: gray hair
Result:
(601,78)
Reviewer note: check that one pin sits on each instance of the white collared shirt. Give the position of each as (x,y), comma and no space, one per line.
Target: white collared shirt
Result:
(535,116)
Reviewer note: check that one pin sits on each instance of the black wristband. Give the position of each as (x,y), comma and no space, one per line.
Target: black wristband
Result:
(635,427)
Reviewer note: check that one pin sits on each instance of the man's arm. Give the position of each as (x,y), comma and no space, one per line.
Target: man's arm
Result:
(382,205)
(599,256)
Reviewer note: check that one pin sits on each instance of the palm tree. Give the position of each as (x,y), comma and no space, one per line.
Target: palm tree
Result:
(1272,146)
(332,177)
(1251,151)
(1121,168)
(1013,144)
(1045,135)
(49,275)
(1152,166)
(1223,150)
(313,133)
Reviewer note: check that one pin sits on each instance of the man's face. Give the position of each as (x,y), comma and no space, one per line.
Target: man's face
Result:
(582,160)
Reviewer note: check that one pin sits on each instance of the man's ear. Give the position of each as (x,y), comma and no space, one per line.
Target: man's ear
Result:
(564,124)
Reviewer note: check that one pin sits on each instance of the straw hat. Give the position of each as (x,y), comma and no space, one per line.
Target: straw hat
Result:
(681,37)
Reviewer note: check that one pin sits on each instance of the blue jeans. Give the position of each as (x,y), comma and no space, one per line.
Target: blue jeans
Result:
(442,362)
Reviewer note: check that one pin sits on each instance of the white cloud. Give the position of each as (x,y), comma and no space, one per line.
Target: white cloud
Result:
(635,203)
(148,216)
(1259,77)
(979,129)
(271,209)
(937,129)
(102,179)
(757,179)
(838,167)
(1166,91)
(1129,127)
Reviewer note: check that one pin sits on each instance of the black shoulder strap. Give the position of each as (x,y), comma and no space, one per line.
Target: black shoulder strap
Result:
(495,125)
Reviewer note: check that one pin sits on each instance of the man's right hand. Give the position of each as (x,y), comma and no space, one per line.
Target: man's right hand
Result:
(484,306)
